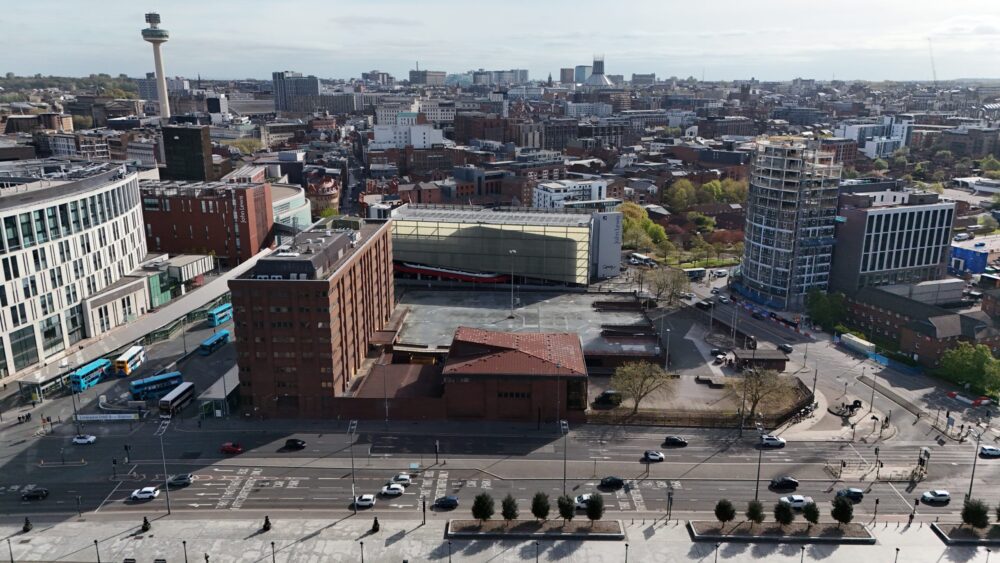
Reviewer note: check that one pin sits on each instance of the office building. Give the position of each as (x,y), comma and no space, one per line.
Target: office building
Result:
(231,220)
(557,193)
(187,151)
(402,136)
(72,234)
(643,79)
(890,237)
(791,213)
(566,75)
(288,85)
(582,72)
(427,77)
(305,315)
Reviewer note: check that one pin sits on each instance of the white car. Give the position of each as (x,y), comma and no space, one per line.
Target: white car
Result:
(402,479)
(84,439)
(771,441)
(798,502)
(582,500)
(651,455)
(145,493)
(393,490)
(724,300)
(365,501)
(937,496)
(989,451)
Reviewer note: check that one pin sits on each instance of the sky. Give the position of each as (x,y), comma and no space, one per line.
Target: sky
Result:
(714,39)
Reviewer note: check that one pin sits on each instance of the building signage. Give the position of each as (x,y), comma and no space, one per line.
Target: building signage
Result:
(107,417)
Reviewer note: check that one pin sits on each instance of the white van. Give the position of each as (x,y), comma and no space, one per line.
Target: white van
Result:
(962,236)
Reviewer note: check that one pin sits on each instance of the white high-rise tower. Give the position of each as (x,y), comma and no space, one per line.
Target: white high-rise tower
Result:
(153,34)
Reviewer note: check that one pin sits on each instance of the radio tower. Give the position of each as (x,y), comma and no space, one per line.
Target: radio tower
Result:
(153,34)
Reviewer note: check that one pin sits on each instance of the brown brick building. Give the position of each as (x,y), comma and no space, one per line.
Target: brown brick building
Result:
(233,221)
(305,316)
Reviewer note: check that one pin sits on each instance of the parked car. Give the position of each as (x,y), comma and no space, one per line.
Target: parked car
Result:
(651,455)
(721,273)
(446,503)
(294,444)
(771,441)
(582,500)
(84,439)
(936,497)
(364,501)
(231,448)
(182,480)
(393,490)
(35,493)
(609,397)
(145,493)
(989,451)
(687,295)
(784,483)
(757,315)
(612,482)
(786,348)
(798,502)
(675,441)
(719,359)
(715,352)
(855,494)
(402,479)
(724,300)
(715,291)
(704,304)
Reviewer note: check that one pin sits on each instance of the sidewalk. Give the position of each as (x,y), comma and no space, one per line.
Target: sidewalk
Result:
(322,540)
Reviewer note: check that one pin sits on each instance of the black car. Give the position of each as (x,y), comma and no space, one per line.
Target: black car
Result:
(757,315)
(784,483)
(854,494)
(447,502)
(609,397)
(612,483)
(786,348)
(182,480)
(37,493)
(715,352)
(675,441)
(294,444)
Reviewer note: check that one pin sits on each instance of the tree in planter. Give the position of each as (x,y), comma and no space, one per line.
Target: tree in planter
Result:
(540,506)
(755,512)
(760,389)
(783,514)
(843,510)
(482,507)
(637,380)
(811,513)
(976,513)
(595,508)
(508,508)
(725,512)
(567,507)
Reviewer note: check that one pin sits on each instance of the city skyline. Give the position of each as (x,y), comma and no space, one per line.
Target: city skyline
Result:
(735,41)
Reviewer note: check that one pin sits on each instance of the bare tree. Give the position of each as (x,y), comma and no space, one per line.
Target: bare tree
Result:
(637,380)
(761,389)
(667,283)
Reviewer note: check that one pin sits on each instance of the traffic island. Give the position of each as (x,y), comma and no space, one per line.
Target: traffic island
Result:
(743,532)
(534,529)
(960,534)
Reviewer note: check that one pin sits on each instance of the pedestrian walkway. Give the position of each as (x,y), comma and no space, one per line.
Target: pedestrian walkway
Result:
(344,538)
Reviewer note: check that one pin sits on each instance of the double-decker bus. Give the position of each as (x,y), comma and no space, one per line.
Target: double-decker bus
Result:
(214,342)
(176,400)
(154,387)
(220,314)
(127,363)
(89,375)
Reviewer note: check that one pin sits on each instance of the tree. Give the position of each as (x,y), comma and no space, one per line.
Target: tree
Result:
(734,191)
(825,309)
(595,507)
(246,145)
(724,512)
(976,513)
(755,512)
(843,510)
(850,173)
(944,157)
(666,247)
(989,163)
(783,514)
(709,192)
(811,513)
(680,195)
(973,365)
(540,506)
(482,507)
(635,237)
(760,389)
(508,508)
(880,164)
(82,122)
(567,507)
(328,212)
(667,283)
(637,380)
(702,223)
(989,223)
(899,162)
(633,211)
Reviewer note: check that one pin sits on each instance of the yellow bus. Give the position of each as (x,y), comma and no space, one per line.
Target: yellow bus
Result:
(127,363)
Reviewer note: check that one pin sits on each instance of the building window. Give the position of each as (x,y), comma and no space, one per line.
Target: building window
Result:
(23,348)
(52,335)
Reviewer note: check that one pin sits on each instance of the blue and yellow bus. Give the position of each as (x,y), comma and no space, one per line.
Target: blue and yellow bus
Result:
(127,363)
(214,342)
(220,314)
(89,375)
(156,386)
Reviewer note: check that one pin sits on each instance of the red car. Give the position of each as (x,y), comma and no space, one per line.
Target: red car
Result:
(232,448)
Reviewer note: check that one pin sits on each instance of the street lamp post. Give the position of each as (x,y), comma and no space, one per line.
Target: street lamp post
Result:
(666,362)
(385,396)
(975,458)
(756,485)
(184,543)
(626,553)
(362,552)
(10,550)
(76,415)
(512,253)
(564,427)
(449,551)
(272,553)
(98,551)
(166,486)
(351,428)
(871,407)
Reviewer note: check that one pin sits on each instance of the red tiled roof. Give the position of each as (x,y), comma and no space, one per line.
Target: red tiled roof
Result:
(481,352)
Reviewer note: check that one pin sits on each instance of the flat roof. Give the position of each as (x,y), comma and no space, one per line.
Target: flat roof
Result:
(990,243)
(434,316)
(38,181)
(281,192)
(463,214)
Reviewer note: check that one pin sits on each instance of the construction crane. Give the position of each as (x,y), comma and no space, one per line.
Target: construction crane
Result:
(930,49)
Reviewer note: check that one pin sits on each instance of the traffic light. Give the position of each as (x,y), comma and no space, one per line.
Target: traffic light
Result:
(876,452)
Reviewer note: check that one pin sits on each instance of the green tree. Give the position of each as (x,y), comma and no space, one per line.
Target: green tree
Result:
(783,514)
(666,247)
(825,309)
(989,162)
(709,192)
(989,223)
(328,212)
(595,508)
(508,508)
(656,232)
(540,506)
(899,162)
(701,222)
(680,195)
(842,511)
(82,122)
(762,389)
(633,211)
(246,145)
(850,173)
(566,506)
(880,164)
(725,512)
(482,507)
(976,513)
(944,157)
(755,512)
(636,238)
(970,364)
(734,191)
(811,513)
(637,380)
